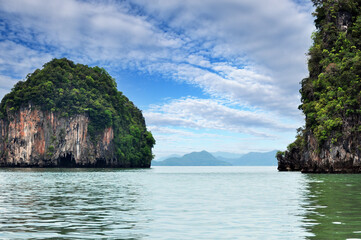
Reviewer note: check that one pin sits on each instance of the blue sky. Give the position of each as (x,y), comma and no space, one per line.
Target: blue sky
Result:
(208,75)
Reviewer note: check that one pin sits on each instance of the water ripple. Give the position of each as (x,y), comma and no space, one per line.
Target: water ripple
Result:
(177,203)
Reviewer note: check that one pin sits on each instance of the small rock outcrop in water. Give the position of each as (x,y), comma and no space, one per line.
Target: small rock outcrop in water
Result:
(71,115)
(331,96)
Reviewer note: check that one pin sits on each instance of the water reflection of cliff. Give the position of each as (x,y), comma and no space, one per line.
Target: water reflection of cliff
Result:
(333,206)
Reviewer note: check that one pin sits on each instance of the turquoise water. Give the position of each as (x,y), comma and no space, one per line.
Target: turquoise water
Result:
(178,203)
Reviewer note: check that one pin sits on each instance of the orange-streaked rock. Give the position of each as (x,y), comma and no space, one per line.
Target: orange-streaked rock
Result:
(31,137)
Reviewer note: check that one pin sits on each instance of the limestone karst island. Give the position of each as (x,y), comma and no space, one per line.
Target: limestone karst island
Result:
(71,115)
(331,95)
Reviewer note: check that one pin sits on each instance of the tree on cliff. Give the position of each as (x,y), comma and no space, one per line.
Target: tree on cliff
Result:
(331,95)
(70,89)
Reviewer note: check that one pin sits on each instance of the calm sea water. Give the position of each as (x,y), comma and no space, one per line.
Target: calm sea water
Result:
(178,203)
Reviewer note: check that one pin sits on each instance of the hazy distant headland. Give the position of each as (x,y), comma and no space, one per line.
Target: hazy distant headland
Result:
(205,158)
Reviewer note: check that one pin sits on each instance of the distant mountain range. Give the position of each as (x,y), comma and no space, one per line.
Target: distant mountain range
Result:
(205,158)
(226,155)
(170,156)
(255,159)
(192,159)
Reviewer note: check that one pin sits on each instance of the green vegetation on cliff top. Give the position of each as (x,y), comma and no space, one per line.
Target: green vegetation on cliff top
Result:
(332,92)
(69,89)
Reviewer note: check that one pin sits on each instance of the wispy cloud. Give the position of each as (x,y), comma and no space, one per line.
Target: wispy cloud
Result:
(228,48)
(211,114)
(17,60)
(248,53)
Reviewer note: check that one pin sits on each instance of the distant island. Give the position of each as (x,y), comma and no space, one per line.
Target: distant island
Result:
(205,158)
(330,141)
(71,115)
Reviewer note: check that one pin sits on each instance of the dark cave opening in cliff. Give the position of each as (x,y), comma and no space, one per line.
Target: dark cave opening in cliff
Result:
(67,161)
(100,163)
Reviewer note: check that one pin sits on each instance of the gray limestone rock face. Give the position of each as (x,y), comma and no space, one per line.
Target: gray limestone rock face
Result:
(340,157)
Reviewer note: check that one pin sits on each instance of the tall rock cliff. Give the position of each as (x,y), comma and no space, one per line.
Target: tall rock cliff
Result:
(68,115)
(331,95)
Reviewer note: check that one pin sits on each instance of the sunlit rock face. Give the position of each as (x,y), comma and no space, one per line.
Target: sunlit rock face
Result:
(31,137)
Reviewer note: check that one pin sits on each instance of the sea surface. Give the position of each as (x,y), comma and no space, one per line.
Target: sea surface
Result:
(178,203)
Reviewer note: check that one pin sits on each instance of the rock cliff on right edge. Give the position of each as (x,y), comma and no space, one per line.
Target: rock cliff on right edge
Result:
(330,141)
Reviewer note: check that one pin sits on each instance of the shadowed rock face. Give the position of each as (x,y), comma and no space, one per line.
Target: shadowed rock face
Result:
(341,157)
(31,138)
(343,20)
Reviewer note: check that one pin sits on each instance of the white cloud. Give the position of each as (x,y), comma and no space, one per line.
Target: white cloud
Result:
(99,31)
(180,141)
(170,133)
(243,86)
(272,36)
(16,61)
(19,60)
(211,114)
(248,53)
(6,81)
